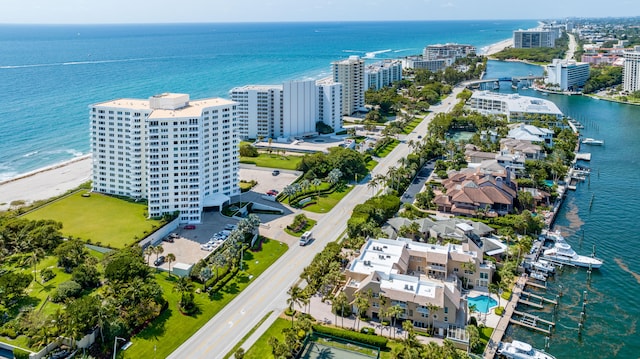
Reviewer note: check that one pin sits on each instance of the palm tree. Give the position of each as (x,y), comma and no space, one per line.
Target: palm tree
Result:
(148,252)
(158,251)
(295,297)
(334,176)
(170,258)
(394,312)
(339,302)
(469,267)
(289,191)
(433,308)
(304,185)
(316,182)
(183,285)
(37,254)
(494,288)
(362,304)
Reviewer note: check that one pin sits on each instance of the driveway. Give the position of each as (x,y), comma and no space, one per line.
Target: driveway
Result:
(265,178)
(418,182)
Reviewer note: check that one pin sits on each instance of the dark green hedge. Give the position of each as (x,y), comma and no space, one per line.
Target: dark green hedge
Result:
(20,354)
(376,341)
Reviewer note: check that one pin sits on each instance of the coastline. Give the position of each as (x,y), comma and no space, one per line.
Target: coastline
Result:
(497,47)
(45,182)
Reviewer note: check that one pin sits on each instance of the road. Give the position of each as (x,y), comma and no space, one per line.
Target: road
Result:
(269,292)
(572,47)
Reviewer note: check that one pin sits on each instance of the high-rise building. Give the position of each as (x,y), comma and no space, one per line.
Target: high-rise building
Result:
(382,74)
(350,73)
(569,75)
(631,75)
(180,155)
(527,39)
(288,110)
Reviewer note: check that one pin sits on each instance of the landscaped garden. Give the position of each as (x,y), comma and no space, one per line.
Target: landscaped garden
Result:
(101,219)
(300,225)
(171,328)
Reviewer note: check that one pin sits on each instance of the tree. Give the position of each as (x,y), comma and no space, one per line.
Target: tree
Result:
(86,275)
(362,304)
(247,150)
(495,289)
(12,286)
(239,354)
(340,301)
(170,259)
(36,255)
(433,308)
(71,254)
(158,250)
(316,182)
(394,312)
(295,297)
(334,176)
(125,265)
(469,268)
(474,337)
(204,275)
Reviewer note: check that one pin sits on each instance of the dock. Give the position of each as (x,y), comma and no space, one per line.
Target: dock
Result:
(509,310)
(527,298)
(531,321)
(536,285)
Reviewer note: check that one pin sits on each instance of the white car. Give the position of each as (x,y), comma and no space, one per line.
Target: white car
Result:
(206,247)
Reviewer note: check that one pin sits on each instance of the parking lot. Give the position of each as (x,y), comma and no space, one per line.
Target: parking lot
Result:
(187,246)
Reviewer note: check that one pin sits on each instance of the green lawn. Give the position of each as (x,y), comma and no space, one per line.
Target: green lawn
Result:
(307,227)
(273,161)
(384,151)
(103,219)
(485,335)
(412,125)
(371,165)
(325,203)
(261,349)
(171,328)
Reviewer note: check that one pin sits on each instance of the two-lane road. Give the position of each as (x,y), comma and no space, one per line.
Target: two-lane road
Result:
(269,292)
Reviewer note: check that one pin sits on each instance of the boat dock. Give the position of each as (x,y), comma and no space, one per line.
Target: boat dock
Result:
(583,156)
(532,322)
(536,285)
(509,310)
(527,298)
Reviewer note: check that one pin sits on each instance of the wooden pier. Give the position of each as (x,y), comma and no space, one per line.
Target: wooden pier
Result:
(536,285)
(531,321)
(525,298)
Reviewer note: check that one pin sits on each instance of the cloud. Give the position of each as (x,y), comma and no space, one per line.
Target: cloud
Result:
(448,4)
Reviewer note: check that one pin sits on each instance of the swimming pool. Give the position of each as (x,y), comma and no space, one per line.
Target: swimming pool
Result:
(482,302)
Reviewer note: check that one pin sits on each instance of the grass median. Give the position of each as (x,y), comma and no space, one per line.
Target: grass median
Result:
(167,332)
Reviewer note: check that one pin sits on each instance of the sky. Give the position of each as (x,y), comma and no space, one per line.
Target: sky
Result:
(186,11)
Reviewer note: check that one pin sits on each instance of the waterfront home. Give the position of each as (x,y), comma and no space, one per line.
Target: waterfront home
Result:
(424,280)
(524,132)
(472,193)
(519,146)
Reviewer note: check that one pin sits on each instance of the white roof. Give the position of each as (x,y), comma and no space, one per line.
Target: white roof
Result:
(523,104)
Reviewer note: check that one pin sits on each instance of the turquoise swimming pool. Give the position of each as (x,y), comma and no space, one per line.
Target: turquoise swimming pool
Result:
(482,302)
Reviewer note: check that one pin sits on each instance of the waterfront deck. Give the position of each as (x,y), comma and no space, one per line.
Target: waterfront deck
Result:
(501,328)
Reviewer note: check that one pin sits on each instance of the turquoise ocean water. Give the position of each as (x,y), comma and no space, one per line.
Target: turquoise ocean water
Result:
(49,75)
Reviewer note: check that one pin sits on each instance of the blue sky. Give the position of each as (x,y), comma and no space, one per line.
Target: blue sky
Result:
(171,11)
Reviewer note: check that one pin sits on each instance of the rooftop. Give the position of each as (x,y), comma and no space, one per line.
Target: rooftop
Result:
(522,104)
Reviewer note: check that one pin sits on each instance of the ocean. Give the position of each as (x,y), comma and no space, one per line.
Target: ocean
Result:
(49,75)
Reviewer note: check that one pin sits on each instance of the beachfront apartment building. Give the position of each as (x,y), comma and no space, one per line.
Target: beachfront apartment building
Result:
(382,74)
(528,39)
(448,51)
(420,63)
(178,154)
(288,110)
(568,75)
(631,74)
(515,107)
(424,280)
(350,73)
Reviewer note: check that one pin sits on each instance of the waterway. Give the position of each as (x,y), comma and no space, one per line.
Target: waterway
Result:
(602,212)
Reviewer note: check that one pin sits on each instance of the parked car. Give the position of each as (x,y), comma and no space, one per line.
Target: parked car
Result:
(168,239)
(190,226)
(272,192)
(206,247)
(158,261)
(230,227)
(275,172)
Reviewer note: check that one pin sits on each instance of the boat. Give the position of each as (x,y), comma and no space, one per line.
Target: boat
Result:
(539,276)
(521,350)
(592,141)
(543,267)
(562,253)
(545,94)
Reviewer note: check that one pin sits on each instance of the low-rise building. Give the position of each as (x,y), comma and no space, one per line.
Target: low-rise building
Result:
(424,280)
(420,63)
(524,132)
(515,107)
(453,51)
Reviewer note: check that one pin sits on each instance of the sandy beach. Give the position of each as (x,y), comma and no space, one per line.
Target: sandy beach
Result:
(45,183)
(497,47)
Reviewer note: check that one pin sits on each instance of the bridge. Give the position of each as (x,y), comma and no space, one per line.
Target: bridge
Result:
(487,84)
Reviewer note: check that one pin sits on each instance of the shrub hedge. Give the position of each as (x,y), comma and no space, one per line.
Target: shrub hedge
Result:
(373,340)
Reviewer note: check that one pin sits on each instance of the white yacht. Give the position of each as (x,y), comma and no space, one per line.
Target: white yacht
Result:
(592,141)
(522,350)
(539,276)
(543,267)
(562,253)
